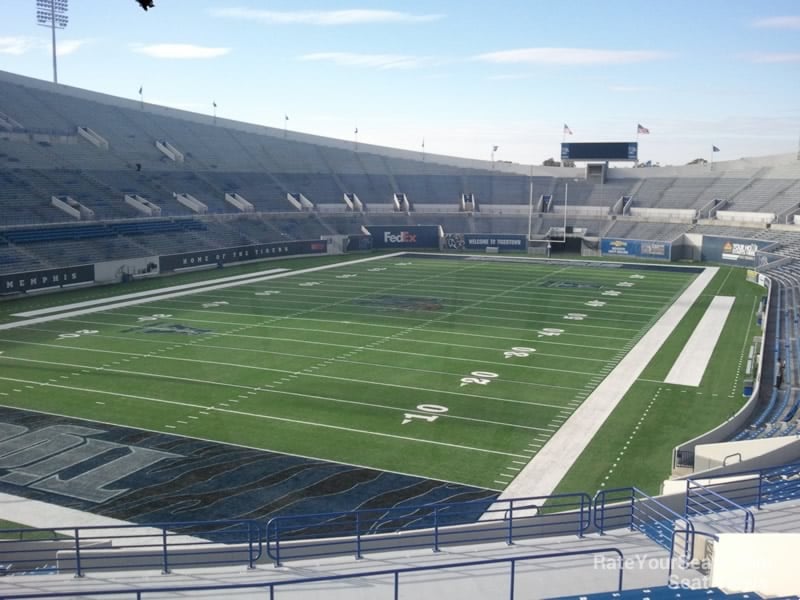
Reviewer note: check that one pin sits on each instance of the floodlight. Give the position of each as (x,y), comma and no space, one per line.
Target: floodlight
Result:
(53,14)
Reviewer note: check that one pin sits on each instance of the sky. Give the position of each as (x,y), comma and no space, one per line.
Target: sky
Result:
(462,76)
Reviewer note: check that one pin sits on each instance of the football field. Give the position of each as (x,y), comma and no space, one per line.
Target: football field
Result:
(451,368)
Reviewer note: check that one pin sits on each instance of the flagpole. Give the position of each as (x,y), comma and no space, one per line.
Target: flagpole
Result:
(712,159)
(214,103)
(285,124)
(423,149)
(355,139)
(141,97)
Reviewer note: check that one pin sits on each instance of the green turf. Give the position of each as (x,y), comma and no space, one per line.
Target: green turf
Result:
(333,370)
(27,534)
(40,300)
(635,444)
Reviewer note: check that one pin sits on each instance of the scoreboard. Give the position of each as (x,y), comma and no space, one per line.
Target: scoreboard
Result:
(628,151)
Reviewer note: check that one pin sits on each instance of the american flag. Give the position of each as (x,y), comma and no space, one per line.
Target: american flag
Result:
(640,129)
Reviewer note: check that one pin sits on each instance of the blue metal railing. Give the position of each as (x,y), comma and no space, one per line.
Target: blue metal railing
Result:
(270,586)
(757,487)
(632,508)
(430,526)
(161,546)
(703,501)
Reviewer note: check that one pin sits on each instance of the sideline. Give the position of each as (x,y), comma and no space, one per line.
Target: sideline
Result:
(131,296)
(157,297)
(43,515)
(544,472)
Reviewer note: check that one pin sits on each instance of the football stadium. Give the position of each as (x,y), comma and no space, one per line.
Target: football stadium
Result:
(252,362)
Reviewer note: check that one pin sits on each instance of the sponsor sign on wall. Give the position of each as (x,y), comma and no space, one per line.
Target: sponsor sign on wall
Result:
(416,236)
(636,248)
(222,256)
(47,278)
(476,241)
(732,251)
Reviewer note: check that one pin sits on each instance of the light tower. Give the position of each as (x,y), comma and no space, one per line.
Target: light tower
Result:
(52,14)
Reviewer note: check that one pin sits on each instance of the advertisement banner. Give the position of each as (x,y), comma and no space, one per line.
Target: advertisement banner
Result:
(222,256)
(732,251)
(46,278)
(658,250)
(477,241)
(404,236)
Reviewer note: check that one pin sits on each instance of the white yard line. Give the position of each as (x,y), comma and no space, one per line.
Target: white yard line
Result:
(543,473)
(524,315)
(332,359)
(273,325)
(693,360)
(266,417)
(270,370)
(220,286)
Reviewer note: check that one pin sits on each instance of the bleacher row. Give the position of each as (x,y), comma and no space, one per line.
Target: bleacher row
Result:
(779,414)
(264,167)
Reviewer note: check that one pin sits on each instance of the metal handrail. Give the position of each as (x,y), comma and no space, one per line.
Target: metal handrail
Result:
(156,546)
(721,502)
(350,531)
(758,485)
(635,517)
(271,585)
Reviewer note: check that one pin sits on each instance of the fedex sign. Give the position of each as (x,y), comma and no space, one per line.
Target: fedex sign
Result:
(405,236)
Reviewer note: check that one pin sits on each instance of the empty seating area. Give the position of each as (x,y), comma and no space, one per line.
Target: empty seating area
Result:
(763,195)
(778,413)
(15,260)
(646,231)
(263,166)
(650,192)
(686,192)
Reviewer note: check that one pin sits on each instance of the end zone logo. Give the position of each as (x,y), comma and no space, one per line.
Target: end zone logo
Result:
(404,237)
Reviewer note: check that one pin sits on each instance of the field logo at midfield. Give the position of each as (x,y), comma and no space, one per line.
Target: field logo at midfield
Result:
(400,303)
(169,328)
(66,460)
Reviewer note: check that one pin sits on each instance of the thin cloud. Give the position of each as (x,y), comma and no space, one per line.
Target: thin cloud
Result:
(630,89)
(774,57)
(19,45)
(67,47)
(375,61)
(571,56)
(510,77)
(786,22)
(324,17)
(179,51)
